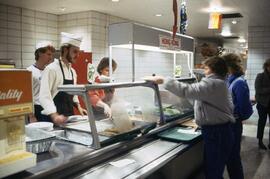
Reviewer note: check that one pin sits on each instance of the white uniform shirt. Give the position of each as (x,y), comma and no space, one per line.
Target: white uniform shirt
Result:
(51,78)
(36,77)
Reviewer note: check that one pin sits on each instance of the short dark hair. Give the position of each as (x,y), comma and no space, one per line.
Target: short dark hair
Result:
(104,63)
(217,65)
(43,50)
(234,62)
(266,64)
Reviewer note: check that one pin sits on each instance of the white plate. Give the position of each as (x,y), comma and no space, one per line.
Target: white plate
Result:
(76,118)
(47,126)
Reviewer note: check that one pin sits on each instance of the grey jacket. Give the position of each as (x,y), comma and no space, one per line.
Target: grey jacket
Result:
(213,101)
(262,88)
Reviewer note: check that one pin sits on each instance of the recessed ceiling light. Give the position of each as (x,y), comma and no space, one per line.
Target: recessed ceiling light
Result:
(234,22)
(62,8)
(226,33)
(158,15)
(115,0)
(241,40)
(216,6)
(216,9)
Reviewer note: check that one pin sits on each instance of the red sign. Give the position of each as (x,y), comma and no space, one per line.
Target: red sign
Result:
(166,42)
(16,87)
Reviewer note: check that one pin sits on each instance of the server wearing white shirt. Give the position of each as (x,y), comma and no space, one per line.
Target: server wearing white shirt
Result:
(43,56)
(58,105)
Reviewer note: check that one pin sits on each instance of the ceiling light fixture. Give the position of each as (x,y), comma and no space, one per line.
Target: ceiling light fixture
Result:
(234,22)
(158,15)
(226,33)
(241,40)
(115,0)
(217,6)
(62,8)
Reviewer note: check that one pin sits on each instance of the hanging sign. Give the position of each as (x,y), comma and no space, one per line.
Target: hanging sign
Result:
(214,20)
(168,43)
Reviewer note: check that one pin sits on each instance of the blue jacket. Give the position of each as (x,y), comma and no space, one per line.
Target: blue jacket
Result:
(240,94)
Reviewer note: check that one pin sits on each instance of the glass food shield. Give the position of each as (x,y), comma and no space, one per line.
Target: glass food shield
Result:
(131,109)
(175,107)
(134,110)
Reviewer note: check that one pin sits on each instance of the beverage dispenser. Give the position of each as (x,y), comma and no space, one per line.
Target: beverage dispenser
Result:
(15,105)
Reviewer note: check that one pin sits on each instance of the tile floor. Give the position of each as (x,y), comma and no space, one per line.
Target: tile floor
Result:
(256,162)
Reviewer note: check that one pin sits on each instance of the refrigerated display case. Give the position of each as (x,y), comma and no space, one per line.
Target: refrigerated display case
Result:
(143,50)
(134,107)
(141,147)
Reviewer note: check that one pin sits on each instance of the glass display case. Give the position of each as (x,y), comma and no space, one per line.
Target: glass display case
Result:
(135,109)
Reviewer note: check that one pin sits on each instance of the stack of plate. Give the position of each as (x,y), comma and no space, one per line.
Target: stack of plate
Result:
(47,126)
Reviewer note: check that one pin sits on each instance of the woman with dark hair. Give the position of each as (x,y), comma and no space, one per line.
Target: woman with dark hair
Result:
(262,89)
(103,67)
(101,99)
(213,112)
(242,110)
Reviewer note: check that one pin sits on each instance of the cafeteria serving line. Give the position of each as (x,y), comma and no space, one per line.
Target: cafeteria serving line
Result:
(94,89)
(143,118)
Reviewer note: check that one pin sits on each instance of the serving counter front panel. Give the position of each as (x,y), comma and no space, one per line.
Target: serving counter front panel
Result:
(147,160)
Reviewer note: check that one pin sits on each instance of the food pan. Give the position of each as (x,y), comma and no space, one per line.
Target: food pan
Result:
(38,141)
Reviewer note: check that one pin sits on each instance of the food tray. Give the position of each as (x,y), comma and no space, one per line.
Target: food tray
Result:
(38,141)
(180,134)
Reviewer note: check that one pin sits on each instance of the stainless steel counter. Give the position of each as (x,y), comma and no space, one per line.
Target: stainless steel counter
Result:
(143,156)
(148,159)
(70,160)
(60,152)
